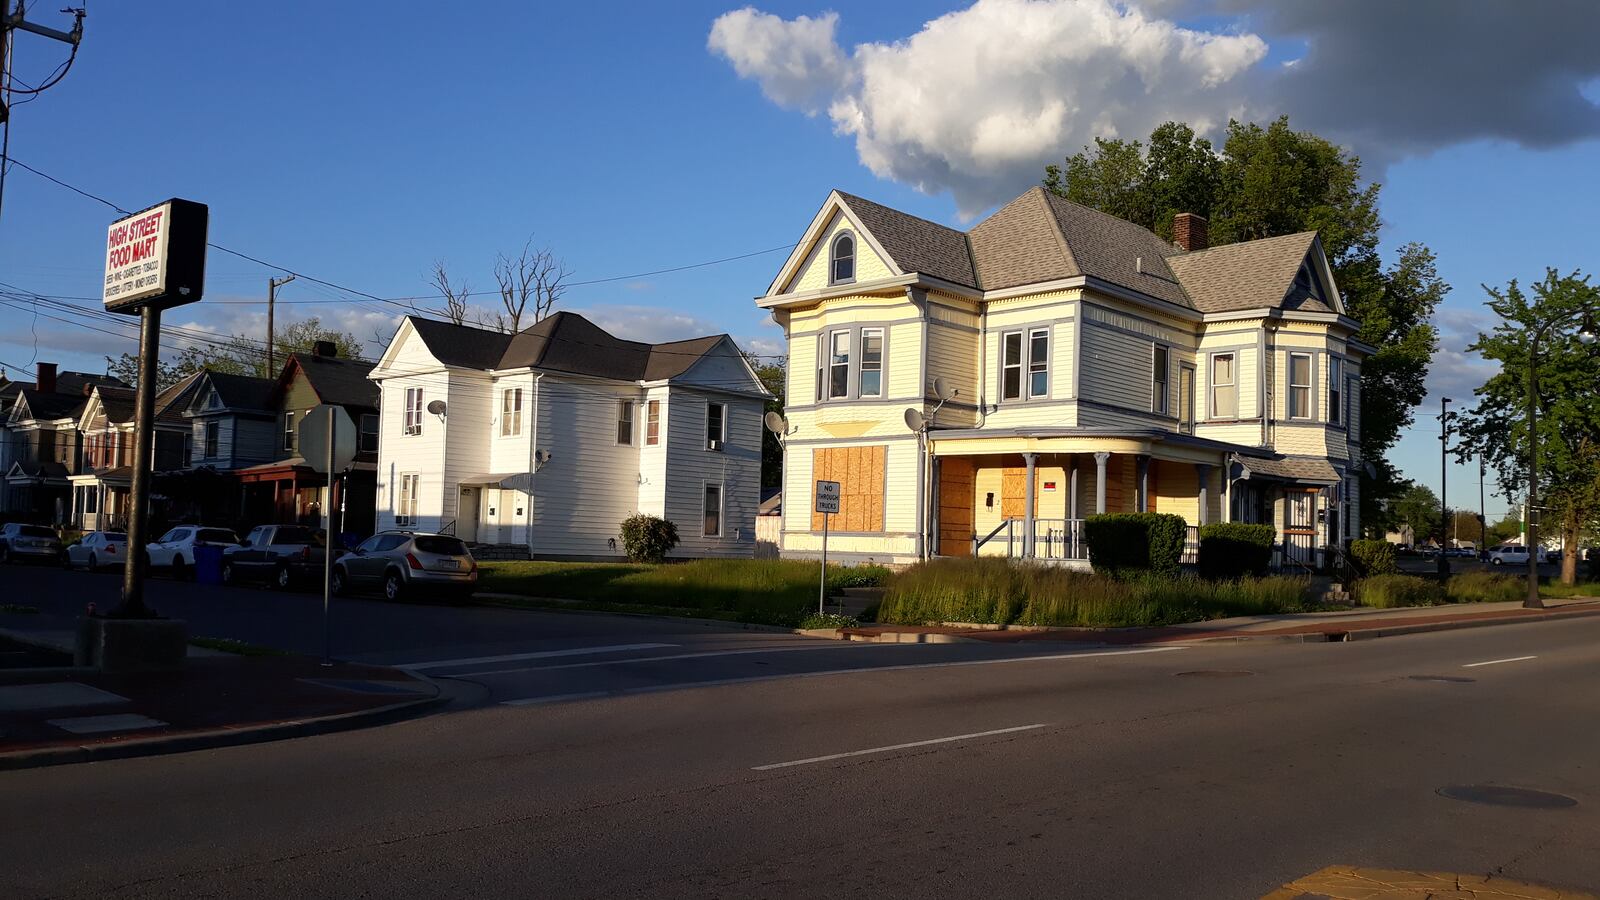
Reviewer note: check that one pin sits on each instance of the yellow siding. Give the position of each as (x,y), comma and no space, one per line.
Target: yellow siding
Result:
(813,273)
(802,375)
(904,375)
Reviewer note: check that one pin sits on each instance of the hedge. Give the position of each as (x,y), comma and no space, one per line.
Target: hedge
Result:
(1373,557)
(1235,549)
(1125,544)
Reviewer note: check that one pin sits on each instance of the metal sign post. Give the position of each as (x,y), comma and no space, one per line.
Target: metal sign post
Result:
(329,443)
(327,549)
(827,504)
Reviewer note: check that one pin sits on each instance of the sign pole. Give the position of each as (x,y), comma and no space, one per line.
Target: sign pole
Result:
(327,551)
(822,591)
(133,569)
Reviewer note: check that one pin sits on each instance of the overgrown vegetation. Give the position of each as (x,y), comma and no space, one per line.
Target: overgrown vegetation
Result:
(1374,557)
(829,620)
(1484,587)
(1235,549)
(1126,544)
(17,608)
(997,591)
(1392,591)
(759,591)
(648,539)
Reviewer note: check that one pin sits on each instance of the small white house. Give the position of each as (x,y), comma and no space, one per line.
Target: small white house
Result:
(544,441)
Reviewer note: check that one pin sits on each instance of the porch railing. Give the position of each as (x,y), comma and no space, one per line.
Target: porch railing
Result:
(1009,527)
(1063,539)
(1191,546)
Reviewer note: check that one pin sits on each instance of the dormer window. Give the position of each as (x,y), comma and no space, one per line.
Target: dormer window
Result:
(844,259)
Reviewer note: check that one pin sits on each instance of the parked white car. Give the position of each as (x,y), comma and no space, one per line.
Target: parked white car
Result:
(175,549)
(99,550)
(1512,555)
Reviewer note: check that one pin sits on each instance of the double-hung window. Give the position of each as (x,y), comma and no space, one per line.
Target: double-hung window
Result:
(1299,385)
(367,439)
(405,512)
(1011,366)
(1335,386)
(838,365)
(213,430)
(288,430)
(1038,363)
(1159,380)
(716,425)
(1224,387)
(652,423)
(711,523)
(413,422)
(511,412)
(625,422)
(871,362)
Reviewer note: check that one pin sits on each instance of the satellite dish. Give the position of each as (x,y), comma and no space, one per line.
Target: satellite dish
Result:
(541,456)
(942,389)
(914,420)
(776,423)
(436,407)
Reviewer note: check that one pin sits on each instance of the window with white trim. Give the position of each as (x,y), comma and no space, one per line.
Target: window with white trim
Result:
(511,412)
(1038,363)
(711,509)
(1335,386)
(716,425)
(1299,385)
(413,411)
(1159,380)
(843,263)
(405,511)
(652,423)
(625,422)
(838,365)
(1224,387)
(289,437)
(871,362)
(1011,366)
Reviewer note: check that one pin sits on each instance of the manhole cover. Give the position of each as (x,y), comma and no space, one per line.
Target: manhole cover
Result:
(1452,679)
(1216,673)
(1496,795)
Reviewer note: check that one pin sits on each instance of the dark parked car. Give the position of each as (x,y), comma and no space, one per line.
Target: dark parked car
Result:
(281,555)
(36,542)
(402,563)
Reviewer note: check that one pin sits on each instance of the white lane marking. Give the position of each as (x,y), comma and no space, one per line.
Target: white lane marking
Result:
(908,744)
(1496,662)
(656,688)
(639,659)
(554,698)
(515,657)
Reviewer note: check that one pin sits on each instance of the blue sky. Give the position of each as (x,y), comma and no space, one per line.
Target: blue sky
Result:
(359,143)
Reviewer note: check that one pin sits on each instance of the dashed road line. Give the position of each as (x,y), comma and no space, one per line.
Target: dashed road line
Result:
(909,744)
(1496,662)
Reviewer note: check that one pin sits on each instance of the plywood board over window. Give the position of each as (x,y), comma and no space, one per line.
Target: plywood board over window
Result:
(860,473)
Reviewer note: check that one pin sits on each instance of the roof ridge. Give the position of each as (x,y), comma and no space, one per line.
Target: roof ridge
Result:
(1053,198)
(1256,241)
(849,196)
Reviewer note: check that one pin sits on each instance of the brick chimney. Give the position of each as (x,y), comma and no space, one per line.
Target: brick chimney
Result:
(44,379)
(1191,232)
(325,348)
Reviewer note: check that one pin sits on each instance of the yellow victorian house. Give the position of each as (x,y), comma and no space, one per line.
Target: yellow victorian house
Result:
(982,392)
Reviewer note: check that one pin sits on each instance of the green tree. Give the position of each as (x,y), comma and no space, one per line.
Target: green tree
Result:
(238,354)
(1568,376)
(1508,527)
(1417,507)
(1268,181)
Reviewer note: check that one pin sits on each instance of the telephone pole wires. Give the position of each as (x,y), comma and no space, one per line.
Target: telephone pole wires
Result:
(272,298)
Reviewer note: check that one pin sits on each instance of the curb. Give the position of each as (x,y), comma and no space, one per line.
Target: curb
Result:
(555,605)
(221,737)
(1368,634)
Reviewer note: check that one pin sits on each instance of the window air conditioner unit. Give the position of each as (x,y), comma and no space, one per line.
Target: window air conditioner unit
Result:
(714,445)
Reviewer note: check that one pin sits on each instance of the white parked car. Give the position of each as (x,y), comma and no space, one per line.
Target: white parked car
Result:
(99,550)
(175,549)
(1512,555)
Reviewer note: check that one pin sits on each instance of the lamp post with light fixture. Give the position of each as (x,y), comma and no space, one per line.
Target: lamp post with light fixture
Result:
(1587,335)
(1444,474)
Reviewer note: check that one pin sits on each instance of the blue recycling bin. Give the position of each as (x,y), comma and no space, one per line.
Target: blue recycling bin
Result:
(208,563)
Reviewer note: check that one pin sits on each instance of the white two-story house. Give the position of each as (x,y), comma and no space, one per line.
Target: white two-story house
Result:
(542,442)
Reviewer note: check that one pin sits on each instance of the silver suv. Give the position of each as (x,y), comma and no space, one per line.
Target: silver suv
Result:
(401,563)
(19,542)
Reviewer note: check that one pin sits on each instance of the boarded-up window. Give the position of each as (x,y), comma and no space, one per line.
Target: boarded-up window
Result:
(860,473)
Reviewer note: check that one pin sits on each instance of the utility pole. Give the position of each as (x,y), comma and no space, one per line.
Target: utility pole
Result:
(272,298)
(1444,472)
(12,21)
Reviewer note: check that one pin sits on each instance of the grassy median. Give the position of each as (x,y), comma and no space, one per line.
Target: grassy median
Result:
(759,591)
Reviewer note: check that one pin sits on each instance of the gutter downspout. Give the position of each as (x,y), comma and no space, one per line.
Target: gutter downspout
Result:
(533,465)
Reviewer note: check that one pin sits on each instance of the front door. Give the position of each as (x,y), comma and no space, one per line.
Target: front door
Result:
(467,512)
(1300,526)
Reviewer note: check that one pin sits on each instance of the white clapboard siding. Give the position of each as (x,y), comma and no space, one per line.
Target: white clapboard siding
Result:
(737,467)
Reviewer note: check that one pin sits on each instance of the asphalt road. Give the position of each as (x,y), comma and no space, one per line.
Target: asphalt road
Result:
(1085,774)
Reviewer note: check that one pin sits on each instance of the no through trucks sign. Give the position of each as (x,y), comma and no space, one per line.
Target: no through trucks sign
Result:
(827,496)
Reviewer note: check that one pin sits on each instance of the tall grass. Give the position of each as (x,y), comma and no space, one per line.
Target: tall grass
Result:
(996,591)
(1391,591)
(1484,587)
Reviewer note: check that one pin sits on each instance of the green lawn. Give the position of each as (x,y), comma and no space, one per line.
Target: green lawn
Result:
(764,592)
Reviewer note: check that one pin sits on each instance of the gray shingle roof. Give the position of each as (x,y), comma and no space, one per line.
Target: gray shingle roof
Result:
(339,381)
(1115,250)
(1248,275)
(242,391)
(916,245)
(1308,470)
(461,345)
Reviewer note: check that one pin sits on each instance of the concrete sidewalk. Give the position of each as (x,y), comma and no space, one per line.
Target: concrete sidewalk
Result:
(1318,627)
(53,713)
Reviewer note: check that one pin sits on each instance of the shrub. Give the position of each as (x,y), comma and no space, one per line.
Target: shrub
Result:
(828,620)
(648,539)
(1235,549)
(1374,558)
(1390,591)
(1127,544)
(864,575)
(1484,587)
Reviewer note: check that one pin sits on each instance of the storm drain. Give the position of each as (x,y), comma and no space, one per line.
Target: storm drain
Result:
(1450,679)
(1498,795)
(1215,673)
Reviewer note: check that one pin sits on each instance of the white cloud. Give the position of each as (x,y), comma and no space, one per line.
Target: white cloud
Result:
(980,99)
(650,324)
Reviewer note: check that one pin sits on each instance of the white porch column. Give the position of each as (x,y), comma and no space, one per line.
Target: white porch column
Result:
(1142,484)
(1100,460)
(1072,487)
(1203,472)
(1028,460)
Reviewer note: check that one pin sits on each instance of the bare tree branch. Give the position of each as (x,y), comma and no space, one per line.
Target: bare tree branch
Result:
(455,295)
(534,276)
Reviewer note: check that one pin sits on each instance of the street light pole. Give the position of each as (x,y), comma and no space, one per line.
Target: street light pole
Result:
(1444,471)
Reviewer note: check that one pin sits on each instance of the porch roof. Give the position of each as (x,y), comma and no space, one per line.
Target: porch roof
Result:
(1083,440)
(37,473)
(121,476)
(488,480)
(1309,471)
